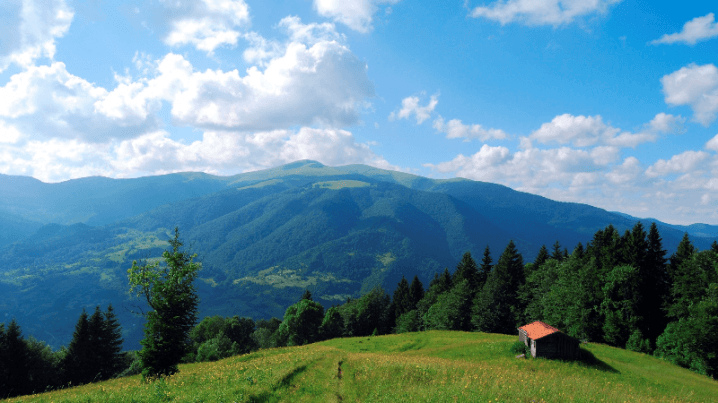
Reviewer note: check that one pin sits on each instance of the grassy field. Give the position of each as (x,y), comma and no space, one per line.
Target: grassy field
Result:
(432,366)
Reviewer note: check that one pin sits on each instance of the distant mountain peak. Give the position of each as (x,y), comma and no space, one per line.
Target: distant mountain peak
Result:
(302,164)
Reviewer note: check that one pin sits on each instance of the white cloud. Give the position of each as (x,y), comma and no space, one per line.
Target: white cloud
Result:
(684,162)
(585,131)
(356,14)
(157,153)
(541,12)
(9,134)
(410,106)
(455,129)
(32,30)
(712,144)
(694,31)
(696,86)
(581,131)
(205,24)
(48,101)
(626,173)
(666,123)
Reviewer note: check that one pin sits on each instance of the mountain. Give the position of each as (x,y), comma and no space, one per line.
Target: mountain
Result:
(262,237)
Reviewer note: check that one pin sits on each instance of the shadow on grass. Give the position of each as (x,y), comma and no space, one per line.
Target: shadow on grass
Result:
(286,382)
(588,360)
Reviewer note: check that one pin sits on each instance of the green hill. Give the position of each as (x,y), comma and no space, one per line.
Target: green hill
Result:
(436,366)
(263,237)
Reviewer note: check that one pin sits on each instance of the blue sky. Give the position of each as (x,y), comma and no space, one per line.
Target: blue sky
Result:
(612,103)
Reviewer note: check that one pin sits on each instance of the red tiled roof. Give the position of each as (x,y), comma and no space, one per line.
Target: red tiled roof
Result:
(537,330)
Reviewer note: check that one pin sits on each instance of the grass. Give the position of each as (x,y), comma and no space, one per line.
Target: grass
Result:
(437,366)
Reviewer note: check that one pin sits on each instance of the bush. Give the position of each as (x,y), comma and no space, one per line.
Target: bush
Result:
(519,348)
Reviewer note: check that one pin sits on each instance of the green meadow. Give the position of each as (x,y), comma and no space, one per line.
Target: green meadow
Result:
(434,366)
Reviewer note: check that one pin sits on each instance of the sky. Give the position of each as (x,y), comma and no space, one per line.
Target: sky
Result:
(611,103)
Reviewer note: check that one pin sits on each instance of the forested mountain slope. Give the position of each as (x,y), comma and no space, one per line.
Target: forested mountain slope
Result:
(263,237)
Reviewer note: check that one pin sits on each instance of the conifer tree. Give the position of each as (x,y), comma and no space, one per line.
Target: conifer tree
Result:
(497,308)
(485,269)
(169,291)
(578,251)
(111,347)
(684,251)
(402,299)
(14,362)
(541,258)
(714,246)
(467,270)
(307,295)
(416,292)
(655,287)
(557,254)
(76,363)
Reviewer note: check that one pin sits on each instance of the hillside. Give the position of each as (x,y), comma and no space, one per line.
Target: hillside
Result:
(263,237)
(436,366)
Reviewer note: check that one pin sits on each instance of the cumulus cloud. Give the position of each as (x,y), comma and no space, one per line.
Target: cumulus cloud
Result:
(31,30)
(455,129)
(410,106)
(157,153)
(48,101)
(356,14)
(544,12)
(712,144)
(694,31)
(205,24)
(696,86)
(684,162)
(585,131)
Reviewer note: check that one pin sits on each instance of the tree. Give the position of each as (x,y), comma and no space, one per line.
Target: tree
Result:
(170,292)
(620,305)
(485,268)
(497,308)
(13,351)
(452,310)
(77,363)
(557,254)
(402,298)
(307,295)
(467,270)
(416,292)
(332,324)
(542,257)
(301,323)
(655,287)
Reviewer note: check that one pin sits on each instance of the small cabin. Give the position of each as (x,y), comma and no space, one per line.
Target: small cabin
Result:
(548,342)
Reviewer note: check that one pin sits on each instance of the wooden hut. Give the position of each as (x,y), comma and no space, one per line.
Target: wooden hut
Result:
(548,342)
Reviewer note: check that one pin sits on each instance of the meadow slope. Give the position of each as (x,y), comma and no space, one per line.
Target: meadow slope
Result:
(435,366)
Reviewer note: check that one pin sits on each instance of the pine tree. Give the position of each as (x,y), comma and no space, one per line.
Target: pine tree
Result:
(467,270)
(714,246)
(497,308)
(402,299)
(655,287)
(76,363)
(541,258)
(416,292)
(170,293)
(557,254)
(111,348)
(307,295)
(684,251)
(485,268)
(14,363)
(578,251)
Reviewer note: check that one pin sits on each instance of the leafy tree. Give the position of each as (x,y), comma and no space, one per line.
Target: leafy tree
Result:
(369,313)
(301,323)
(690,281)
(408,322)
(332,324)
(239,331)
(452,310)
(169,291)
(690,341)
(497,308)
(467,270)
(620,305)
(265,334)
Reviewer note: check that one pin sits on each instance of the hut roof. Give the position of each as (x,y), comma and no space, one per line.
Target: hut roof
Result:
(538,329)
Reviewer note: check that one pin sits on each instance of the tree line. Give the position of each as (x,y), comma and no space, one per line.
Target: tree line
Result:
(619,289)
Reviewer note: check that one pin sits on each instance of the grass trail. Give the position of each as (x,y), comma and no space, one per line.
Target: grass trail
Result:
(417,367)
